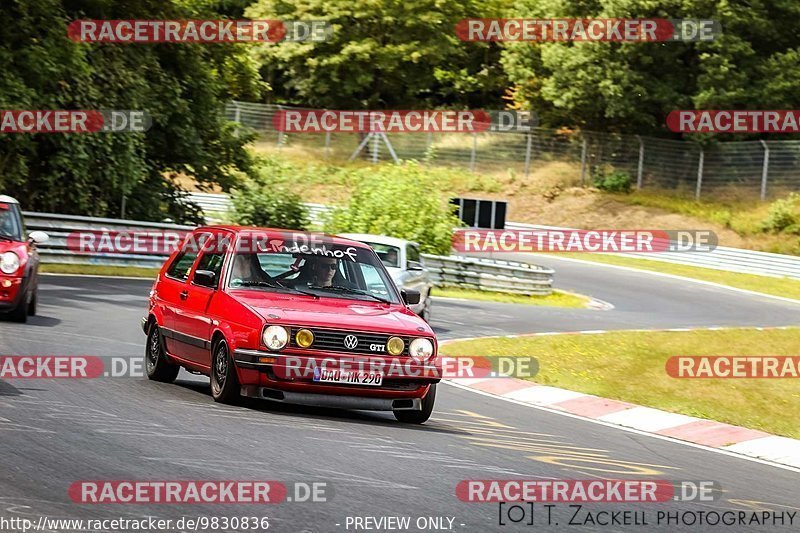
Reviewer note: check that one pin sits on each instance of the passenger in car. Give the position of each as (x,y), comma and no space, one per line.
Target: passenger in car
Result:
(247,269)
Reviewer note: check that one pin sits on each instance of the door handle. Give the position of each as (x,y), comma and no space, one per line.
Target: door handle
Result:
(184,295)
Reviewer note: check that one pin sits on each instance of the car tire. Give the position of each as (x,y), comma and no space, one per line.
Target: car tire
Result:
(418,417)
(20,312)
(425,314)
(156,364)
(225,386)
(33,302)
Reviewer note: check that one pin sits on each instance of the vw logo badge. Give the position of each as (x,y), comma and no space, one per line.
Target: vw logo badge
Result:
(350,342)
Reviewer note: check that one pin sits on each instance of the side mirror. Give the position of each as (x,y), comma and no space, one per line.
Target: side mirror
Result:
(410,297)
(414,265)
(38,237)
(205,278)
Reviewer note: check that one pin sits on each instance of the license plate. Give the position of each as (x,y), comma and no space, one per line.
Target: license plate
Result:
(348,377)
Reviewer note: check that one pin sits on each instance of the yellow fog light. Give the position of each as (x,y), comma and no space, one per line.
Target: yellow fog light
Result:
(395,346)
(304,338)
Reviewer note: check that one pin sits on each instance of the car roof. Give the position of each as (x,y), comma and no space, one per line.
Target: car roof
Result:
(250,230)
(8,199)
(377,239)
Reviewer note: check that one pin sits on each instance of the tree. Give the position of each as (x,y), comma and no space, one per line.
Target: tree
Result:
(184,87)
(399,201)
(388,54)
(631,87)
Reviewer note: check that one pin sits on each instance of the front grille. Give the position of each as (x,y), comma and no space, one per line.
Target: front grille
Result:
(330,340)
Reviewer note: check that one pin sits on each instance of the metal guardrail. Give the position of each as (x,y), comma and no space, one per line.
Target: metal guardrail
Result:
(484,274)
(721,258)
(489,274)
(216,206)
(59,227)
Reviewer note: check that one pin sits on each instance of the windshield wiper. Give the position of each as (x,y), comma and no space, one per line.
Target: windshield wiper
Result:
(6,238)
(353,291)
(253,283)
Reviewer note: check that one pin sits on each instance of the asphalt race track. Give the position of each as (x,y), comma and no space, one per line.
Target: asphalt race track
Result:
(56,432)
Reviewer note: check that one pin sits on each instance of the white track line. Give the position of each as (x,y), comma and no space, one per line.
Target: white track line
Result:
(627,429)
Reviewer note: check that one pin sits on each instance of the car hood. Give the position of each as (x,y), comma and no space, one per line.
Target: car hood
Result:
(338,313)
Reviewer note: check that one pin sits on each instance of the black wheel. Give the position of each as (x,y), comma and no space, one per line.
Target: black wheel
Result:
(418,417)
(224,381)
(33,302)
(156,364)
(425,314)
(20,312)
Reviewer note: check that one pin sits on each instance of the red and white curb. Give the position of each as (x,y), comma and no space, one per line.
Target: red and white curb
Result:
(727,437)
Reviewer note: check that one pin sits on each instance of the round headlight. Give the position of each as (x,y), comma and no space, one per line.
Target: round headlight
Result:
(304,338)
(9,263)
(275,337)
(395,346)
(421,349)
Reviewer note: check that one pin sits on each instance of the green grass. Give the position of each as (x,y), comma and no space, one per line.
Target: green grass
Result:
(744,215)
(629,366)
(557,299)
(98,270)
(786,287)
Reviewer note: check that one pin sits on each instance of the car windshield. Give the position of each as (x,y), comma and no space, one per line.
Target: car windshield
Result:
(389,255)
(327,271)
(9,222)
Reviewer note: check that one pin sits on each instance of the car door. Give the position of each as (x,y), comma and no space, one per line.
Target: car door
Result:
(192,324)
(171,293)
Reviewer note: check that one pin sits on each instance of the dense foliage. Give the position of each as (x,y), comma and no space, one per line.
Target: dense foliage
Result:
(183,87)
(390,54)
(398,200)
(264,200)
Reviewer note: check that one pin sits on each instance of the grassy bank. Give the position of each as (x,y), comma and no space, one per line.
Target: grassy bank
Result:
(557,299)
(629,366)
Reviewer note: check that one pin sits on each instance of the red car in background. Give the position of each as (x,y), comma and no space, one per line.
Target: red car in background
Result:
(291,317)
(19,263)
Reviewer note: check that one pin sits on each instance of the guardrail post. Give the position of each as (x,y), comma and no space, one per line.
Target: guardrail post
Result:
(583,162)
(328,143)
(472,155)
(764,171)
(280,134)
(641,164)
(528,155)
(699,175)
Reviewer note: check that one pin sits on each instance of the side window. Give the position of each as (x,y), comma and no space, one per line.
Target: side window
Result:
(212,262)
(412,252)
(179,269)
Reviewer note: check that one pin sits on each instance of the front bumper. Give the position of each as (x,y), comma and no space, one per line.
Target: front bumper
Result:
(290,379)
(10,297)
(333,400)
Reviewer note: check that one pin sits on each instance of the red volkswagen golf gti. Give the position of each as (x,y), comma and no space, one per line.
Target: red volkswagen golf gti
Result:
(291,317)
